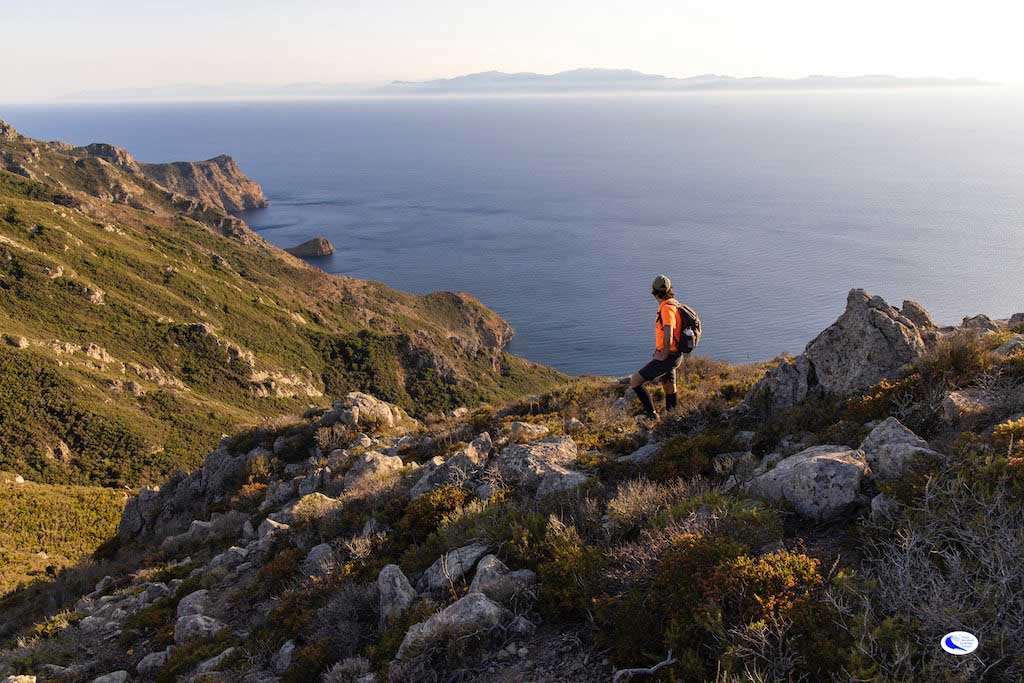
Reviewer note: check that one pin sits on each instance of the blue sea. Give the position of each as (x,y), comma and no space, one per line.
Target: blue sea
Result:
(764,208)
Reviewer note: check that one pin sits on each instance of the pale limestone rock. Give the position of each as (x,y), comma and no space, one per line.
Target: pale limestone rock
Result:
(819,482)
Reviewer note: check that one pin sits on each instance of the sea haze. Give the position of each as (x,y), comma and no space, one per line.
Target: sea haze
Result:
(764,208)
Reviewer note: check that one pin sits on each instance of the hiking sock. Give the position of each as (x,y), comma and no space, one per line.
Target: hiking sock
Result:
(671,401)
(645,400)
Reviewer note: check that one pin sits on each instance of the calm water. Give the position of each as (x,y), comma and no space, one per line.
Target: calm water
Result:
(763,208)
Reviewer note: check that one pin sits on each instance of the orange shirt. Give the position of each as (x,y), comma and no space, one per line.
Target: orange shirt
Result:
(667,315)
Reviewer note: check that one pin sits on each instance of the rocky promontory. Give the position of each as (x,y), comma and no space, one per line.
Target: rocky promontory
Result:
(313,248)
(217,181)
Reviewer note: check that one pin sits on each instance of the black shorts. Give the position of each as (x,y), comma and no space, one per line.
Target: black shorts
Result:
(665,369)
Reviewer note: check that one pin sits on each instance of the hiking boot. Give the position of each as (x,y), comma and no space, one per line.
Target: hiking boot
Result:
(648,421)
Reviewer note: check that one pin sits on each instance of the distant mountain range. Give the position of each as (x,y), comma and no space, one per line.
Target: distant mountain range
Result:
(626,80)
(500,82)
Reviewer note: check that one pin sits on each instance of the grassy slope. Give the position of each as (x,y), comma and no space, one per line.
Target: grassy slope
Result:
(160,274)
(45,528)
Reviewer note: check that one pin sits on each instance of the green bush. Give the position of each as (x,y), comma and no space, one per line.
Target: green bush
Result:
(690,456)
(424,514)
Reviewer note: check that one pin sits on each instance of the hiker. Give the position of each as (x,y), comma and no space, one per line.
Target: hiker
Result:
(676,333)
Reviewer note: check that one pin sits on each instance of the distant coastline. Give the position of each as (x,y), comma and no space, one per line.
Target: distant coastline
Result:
(577,81)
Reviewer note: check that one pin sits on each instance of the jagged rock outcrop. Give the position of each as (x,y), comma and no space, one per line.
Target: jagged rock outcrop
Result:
(870,341)
(313,248)
(819,482)
(366,413)
(917,314)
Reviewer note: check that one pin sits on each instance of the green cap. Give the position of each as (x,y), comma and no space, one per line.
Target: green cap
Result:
(661,284)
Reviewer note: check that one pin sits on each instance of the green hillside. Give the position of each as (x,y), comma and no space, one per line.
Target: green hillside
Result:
(140,325)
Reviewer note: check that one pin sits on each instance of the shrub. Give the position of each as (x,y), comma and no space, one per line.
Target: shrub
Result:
(347,671)
(688,456)
(184,657)
(309,661)
(386,647)
(275,575)
(570,573)
(424,514)
(955,361)
(769,587)
(1009,436)
(638,501)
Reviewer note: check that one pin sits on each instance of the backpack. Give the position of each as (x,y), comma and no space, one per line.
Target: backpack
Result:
(688,320)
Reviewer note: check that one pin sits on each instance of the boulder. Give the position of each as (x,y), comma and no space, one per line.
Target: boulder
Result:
(524,431)
(474,613)
(819,482)
(980,323)
(149,665)
(642,455)
(314,481)
(883,506)
(1016,319)
(1014,345)
(541,466)
(395,594)
(269,527)
(282,659)
(371,466)
(214,663)
(368,414)
(963,403)
(494,579)
(152,663)
(869,342)
(195,627)
(559,480)
(451,567)
(115,677)
(20,679)
(230,558)
(194,603)
(891,449)
(319,561)
(918,315)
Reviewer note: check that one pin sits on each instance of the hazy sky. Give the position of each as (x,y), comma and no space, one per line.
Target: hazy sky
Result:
(56,47)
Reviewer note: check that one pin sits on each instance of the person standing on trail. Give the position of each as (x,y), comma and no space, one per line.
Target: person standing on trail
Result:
(676,333)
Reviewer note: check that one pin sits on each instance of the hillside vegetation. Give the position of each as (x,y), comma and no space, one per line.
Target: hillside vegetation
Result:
(826,517)
(46,528)
(139,324)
